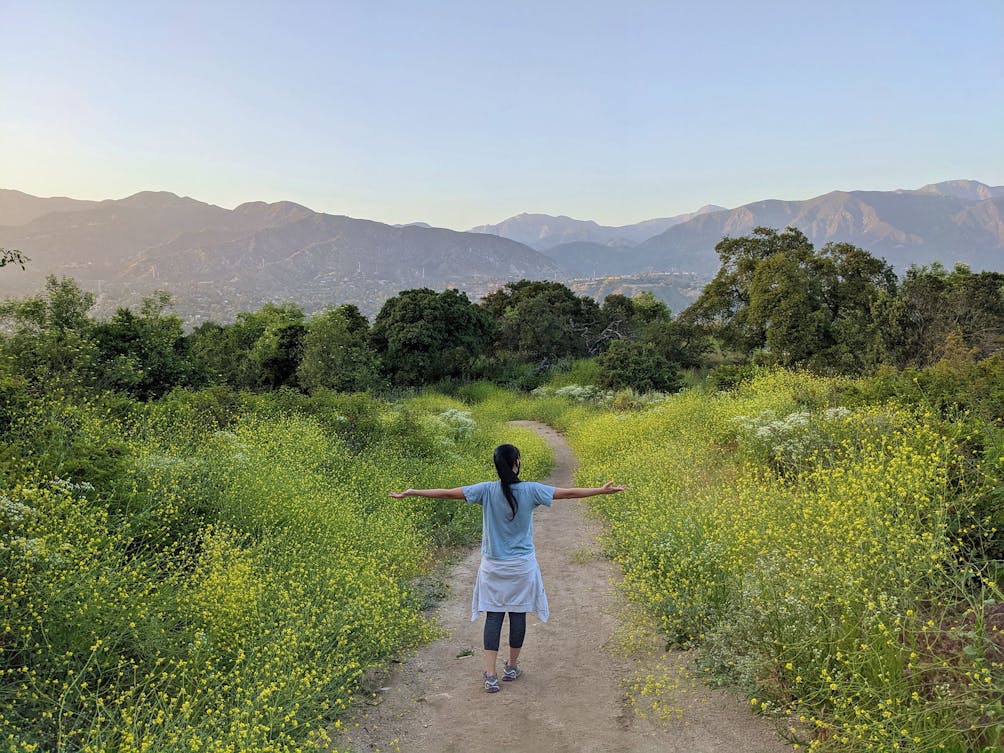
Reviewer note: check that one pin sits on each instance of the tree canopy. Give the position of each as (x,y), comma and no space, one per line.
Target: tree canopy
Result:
(544,320)
(336,352)
(422,336)
(145,355)
(775,295)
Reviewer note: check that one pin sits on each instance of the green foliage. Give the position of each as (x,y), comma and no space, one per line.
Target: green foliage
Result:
(474,393)
(577,371)
(336,353)
(223,565)
(785,304)
(215,570)
(941,308)
(638,365)
(275,336)
(953,386)
(184,417)
(544,321)
(968,396)
(509,370)
(774,293)
(679,341)
(626,318)
(57,437)
(214,355)
(423,337)
(51,343)
(728,376)
(725,301)
(261,350)
(143,355)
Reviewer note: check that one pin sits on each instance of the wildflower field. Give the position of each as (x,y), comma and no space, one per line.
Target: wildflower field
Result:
(831,546)
(214,572)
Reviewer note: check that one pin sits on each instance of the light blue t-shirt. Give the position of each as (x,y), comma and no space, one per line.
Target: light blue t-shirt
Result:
(502,538)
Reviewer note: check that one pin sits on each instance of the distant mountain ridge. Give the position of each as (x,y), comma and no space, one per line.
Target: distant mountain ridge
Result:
(952,221)
(544,231)
(18,208)
(968,190)
(935,223)
(221,261)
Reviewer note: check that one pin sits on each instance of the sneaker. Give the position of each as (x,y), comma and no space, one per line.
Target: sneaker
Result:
(511,673)
(491,683)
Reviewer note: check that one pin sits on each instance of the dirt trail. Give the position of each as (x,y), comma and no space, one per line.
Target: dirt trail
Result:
(571,696)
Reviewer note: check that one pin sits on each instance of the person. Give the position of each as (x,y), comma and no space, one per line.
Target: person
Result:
(509,578)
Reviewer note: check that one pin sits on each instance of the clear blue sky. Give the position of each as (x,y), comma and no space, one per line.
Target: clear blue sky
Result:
(463,113)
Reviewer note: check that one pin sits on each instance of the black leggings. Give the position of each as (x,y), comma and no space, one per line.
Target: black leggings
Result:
(493,629)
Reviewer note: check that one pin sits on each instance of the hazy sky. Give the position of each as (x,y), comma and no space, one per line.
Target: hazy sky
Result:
(463,113)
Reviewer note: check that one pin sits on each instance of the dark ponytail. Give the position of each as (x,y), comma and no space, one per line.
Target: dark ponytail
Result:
(505,458)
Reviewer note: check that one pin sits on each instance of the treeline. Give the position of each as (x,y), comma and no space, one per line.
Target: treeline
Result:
(420,337)
(775,301)
(841,310)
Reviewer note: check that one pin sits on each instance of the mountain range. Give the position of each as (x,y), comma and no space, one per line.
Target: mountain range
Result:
(220,261)
(952,222)
(543,231)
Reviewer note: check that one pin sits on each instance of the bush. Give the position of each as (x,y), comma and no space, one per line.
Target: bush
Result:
(948,387)
(473,393)
(509,370)
(634,364)
(729,376)
(585,371)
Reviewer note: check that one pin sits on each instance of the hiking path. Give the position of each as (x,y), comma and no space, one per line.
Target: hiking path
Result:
(575,694)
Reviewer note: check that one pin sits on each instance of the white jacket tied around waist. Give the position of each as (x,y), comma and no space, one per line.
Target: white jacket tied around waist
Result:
(510,585)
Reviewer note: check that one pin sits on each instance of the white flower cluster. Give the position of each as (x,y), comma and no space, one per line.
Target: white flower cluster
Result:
(65,485)
(458,422)
(225,440)
(14,512)
(580,393)
(789,439)
(32,551)
(13,515)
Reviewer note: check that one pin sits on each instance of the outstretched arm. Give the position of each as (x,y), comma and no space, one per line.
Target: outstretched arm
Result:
(607,488)
(457,493)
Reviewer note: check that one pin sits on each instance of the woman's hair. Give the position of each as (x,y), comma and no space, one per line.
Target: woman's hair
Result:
(505,458)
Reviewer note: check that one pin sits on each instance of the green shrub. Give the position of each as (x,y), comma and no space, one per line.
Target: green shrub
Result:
(728,376)
(637,365)
(584,371)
